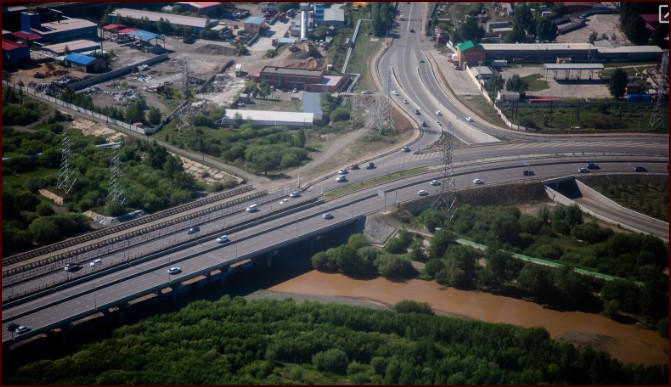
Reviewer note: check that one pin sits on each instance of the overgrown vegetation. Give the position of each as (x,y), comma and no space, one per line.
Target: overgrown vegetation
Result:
(648,199)
(232,341)
(152,180)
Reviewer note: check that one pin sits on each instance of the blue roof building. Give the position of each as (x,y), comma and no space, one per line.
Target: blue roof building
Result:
(312,104)
(84,63)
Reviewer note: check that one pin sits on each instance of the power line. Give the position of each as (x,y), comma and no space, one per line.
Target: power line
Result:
(447,198)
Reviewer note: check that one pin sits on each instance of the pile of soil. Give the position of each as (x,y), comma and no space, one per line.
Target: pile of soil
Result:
(215,49)
(307,64)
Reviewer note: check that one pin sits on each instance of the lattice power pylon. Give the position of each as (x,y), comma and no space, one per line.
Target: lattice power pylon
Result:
(356,111)
(447,198)
(657,118)
(65,178)
(382,113)
(115,191)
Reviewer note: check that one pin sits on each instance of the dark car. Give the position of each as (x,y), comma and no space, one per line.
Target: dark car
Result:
(72,267)
(370,165)
(22,329)
(639,168)
(528,172)
(412,30)
(592,166)
(193,230)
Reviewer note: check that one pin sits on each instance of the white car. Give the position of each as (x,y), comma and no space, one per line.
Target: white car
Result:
(435,182)
(343,172)
(284,201)
(222,239)
(252,208)
(405,149)
(394,92)
(96,262)
(295,194)
(341,178)
(366,92)
(422,192)
(174,270)
(469,119)
(478,181)
(405,101)
(438,113)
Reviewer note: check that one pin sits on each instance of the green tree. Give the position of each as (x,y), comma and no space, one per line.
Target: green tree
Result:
(547,30)
(516,35)
(44,230)
(516,83)
(135,112)
(593,37)
(332,360)
(471,30)
(439,243)
(154,116)
(617,82)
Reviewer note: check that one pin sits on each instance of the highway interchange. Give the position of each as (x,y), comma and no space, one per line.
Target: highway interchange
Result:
(487,157)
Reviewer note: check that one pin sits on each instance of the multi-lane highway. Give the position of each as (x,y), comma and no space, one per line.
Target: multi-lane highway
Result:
(483,156)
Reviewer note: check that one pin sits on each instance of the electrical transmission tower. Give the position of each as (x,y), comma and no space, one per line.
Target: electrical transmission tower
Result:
(115,192)
(382,114)
(356,112)
(657,117)
(184,123)
(66,179)
(446,199)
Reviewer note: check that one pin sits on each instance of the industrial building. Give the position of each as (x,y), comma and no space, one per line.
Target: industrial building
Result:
(81,45)
(578,52)
(269,118)
(84,63)
(312,104)
(201,8)
(254,24)
(196,23)
(59,31)
(14,54)
(283,77)
(333,17)
(470,52)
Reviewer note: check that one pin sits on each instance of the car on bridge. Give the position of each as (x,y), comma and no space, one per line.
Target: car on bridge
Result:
(438,113)
(252,208)
(295,194)
(478,181)
(22,329)
(193,230)
(284,201)
(469,119)
(412,30)
(394,92)
(354,167)
(96,262)
(422,192)
(343,172)
(583,170)
(417,111)
(593,166)
(223,239)
(174,270)
(435,182)
(341,178)
(327,215)
(72,267)
(639,168)
(405,101)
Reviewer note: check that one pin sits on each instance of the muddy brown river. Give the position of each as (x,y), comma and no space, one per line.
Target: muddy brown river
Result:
(627,343)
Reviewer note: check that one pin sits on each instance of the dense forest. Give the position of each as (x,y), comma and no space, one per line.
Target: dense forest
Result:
(152,179)
(233,341)
(559,235)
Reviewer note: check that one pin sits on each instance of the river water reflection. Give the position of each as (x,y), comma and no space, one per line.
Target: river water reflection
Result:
(627,343)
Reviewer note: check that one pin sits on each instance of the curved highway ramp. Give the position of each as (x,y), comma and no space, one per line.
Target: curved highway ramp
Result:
(570,190)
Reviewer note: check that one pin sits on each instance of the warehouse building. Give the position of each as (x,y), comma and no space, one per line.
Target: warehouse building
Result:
(254,24)
(470,53)
(288,78)
(577,52)
(14,54)
(333,17)
(59,31)
(268,118)
(196,23)
(201,8)
(81,45)
(84,63)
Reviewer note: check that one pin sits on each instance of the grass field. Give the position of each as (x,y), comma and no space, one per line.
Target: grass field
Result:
(536,82)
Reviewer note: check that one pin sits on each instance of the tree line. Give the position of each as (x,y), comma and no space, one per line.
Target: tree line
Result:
(233,341)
